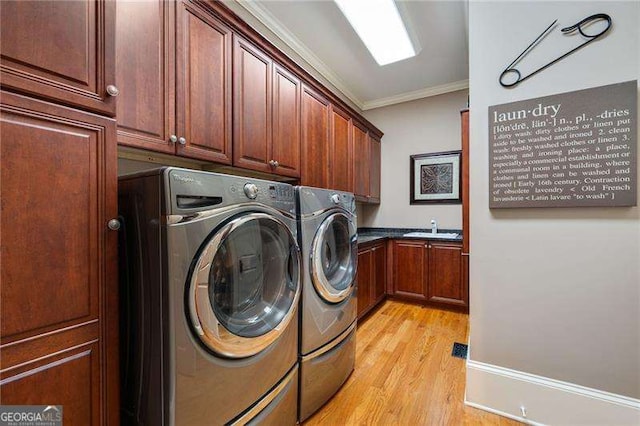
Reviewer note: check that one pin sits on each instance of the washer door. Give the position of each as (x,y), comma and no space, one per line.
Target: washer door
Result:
(334,258)
(245,285)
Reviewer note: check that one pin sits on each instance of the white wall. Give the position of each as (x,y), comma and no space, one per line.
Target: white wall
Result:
(554,292)
(417,127)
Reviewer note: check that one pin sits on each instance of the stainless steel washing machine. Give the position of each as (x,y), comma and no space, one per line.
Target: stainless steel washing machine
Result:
(327,231)
(210,285)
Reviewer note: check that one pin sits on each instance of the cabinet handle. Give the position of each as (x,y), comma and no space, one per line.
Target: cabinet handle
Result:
(182,140)
(113,224)
(112,90)
(276,164)
(173,139)
(273,163)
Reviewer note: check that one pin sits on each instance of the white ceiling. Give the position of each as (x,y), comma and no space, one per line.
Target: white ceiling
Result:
(317,31)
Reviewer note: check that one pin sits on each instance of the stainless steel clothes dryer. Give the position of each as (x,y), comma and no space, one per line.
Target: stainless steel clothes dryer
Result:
(327,232)
(210,286)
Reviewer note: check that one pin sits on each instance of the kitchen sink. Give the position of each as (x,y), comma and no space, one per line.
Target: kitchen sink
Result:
(430,235)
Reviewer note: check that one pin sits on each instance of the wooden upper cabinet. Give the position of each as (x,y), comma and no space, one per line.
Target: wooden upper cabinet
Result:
(361,165)
(285,141)
(315,139)
(374,170)
(251,106)
(61,51)
(145,74)
(410,269)
(340,156)
(59,293)
(203,65)
(446,283)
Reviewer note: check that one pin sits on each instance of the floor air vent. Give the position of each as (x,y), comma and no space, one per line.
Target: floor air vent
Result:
(459,350)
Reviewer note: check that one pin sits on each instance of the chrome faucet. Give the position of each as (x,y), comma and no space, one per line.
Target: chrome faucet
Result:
(434,226)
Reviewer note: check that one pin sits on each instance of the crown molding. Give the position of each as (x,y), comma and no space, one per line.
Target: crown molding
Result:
(267,19)
(275,26)
(416,94)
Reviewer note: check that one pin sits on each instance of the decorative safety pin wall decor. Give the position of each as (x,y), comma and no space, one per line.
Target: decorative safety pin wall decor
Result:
(511,70)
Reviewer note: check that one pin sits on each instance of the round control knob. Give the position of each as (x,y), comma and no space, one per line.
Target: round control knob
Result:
(335,198)
(251,190)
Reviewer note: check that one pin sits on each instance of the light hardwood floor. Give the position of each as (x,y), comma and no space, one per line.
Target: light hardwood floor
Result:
(405,374)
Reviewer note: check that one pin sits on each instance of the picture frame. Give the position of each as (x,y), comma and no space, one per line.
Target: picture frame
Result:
(436,178)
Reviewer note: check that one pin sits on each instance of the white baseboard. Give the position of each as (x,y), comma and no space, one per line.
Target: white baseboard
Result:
(547,401)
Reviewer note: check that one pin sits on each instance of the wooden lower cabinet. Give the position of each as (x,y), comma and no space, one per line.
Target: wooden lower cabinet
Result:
(371,277)
(446,282)
(410,269)
(429,272)
(59,292)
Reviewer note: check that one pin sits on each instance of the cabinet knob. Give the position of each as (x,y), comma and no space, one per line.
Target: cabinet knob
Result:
(273,163)
(113,224)
(182,140)
(276,164)
(173,139)
(112,90)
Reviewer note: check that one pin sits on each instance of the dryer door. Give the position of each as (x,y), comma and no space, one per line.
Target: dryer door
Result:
(334,258)
(245,285)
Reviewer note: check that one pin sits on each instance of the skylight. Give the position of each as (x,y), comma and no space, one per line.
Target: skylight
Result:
(379,26)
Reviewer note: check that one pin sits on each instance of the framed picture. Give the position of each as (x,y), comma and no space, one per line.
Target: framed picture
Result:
(435,178)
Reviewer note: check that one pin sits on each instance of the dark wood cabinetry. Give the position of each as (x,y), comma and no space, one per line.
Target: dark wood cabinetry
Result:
(361,164)
(145,74)
(285,142)
(174,72)
(62,51)
(372,276)
(197,81)
(445,281)
(374,170)
(315,139)
(266,120)
(364,279)
(203,86)
(252,106)
(340,156)
(410,268)
(430,272)
(59,300)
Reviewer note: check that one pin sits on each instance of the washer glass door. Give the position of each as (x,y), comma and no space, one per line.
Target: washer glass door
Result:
(245,285)
(334,258)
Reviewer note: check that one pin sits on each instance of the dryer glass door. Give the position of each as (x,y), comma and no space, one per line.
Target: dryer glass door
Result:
(245,285)
(334,258)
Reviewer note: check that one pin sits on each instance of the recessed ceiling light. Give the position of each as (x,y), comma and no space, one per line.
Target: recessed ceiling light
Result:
(379,26)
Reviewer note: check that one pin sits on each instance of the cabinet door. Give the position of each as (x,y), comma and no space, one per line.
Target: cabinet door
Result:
(361,164)
(251,106)
(364,279)
(340,151)
(410,269)
(374,170)
(58,299)
(145,74)
(285,143)
(315,139)
(203,85)
(379,272)
(60,50)
(446,274)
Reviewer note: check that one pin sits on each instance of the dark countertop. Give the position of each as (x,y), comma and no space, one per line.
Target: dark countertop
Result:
(368,235)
